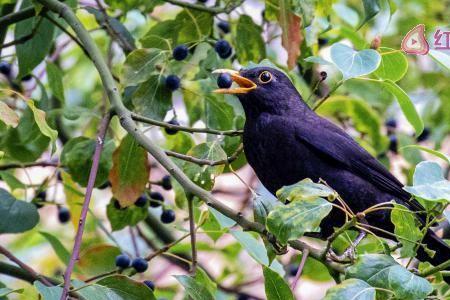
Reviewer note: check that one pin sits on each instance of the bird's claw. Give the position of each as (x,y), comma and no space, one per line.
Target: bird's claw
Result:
(348,255)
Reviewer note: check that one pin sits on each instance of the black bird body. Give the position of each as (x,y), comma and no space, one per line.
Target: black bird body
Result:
(285,142)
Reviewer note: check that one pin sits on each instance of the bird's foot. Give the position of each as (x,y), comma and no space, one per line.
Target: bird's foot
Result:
(349,255)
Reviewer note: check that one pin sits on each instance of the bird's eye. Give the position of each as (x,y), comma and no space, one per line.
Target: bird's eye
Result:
(265,77)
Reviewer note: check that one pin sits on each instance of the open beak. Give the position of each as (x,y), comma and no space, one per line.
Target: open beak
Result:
(245,85)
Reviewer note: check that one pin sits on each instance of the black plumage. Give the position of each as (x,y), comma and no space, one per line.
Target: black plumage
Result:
(285,141)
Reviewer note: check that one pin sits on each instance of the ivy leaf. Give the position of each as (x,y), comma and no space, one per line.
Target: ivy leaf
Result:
(195,288)
(406,226)
(262,206)
(305,189)
(204,176)
(98,259)
(140,65)
(291,37)
(122,217)
(249,43)
(77,157)
(130,171)
(354,63)
(57,246)
(16,216)
(39,44)
(429,182)
(275,286)
(383,271)
(152,99)
(8,116)
(55,80)
(353,289)
(288,222)
(393,65)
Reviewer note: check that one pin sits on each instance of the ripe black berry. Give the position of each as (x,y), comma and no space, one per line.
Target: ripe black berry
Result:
(26,78)
(393,143)
(180,52)
(424,135)
(292,269)
(224,80)
(202,1)
(391,123)
(166,183)
(123,261)
(150,284)
(139,264)
(242,297)
(172,82)
(322,41)
(105,185)
(172,131)
(223,48)
(63,214)
(323,75)
(168,216)
(141,201)
(42,195)
(156,199)
(224,26)
(5,68)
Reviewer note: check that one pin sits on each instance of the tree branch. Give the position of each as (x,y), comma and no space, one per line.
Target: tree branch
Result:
(29,165)
(16,17)
(433,270)
(202,162)
(90,186)
(213,10)
(192,231)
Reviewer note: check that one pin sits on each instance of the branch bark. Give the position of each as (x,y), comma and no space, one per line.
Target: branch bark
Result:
(213,10)
(16,17)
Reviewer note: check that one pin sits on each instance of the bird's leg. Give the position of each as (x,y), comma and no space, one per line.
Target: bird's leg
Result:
(350,252)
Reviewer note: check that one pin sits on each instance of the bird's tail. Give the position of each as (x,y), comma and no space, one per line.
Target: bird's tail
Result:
(442,251)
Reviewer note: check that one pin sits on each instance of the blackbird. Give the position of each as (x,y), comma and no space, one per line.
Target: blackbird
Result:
(285,141)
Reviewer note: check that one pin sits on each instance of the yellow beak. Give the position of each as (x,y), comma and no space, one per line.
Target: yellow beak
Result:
(245,85)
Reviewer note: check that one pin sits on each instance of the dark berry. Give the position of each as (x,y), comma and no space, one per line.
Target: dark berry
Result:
(150,284)
(424,135)
(156,199)
(242,297)
(168,216)
(166,183)
(63,214)
(202,1)
(322,41)
(26,78)
(292,269)
(139,264)
(172,82)
(172,131)
(224,80)
(105,185)
(141,201)
(323,75)
(42,195)
(59,176)
(5,68)
(180,52)
(123,261)
(393,143)
(223,48)
(117,204)
(391,123)
(224,26)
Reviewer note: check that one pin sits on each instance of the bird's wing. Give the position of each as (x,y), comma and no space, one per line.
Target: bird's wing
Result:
(338,147)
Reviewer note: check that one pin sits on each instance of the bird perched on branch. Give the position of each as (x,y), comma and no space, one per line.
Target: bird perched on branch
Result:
(285,141)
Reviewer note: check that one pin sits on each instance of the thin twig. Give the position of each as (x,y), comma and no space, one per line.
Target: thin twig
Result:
(213,10)
(90,186)
(133,241)
(322,101)
(16,17)
(300,269)
(193,235)
(29,165)
(202,162)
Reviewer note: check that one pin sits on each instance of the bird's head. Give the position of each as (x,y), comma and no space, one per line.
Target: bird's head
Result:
(263,89)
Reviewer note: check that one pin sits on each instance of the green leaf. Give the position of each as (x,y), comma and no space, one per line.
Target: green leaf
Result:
(393,66)
(382,271)
(77,157)
(98,259)
(318,60)
(39,117)
(371,9)
(406,229)
(354,63)
(429,182)
(262,206)
(152,99)
(141,64)
(11,180)
(48,292)
(115,287)
(55,80)
(130,216)
(162,35)
(130,172)
(288,222)
(203,278)
(16,216)
(275,286)
(440,57)
(57,246)
(6,291)
(8,116)
(305,189)
(39,45)
(223,220)
(405,103)
(436,153)
(351,289)
(249,43)
(254,248)
(194,288)
(204,176)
